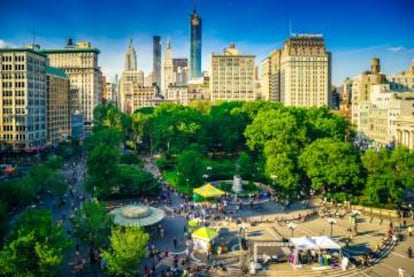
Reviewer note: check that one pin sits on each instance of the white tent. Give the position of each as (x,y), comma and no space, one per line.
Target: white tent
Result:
(303,243)
(309,243)
(324,242)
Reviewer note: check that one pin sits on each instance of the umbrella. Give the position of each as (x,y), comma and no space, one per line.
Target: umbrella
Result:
(9,170)
(205,233)
(137,215)
(208,191)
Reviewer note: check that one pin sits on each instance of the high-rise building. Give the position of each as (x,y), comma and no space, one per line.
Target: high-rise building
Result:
(80,63)
(180,68)
(130,58)
(131,78)
(57,105)
(22,99)
(232,76)
(156,61)
(361,93)
(385,108)
(167,68)
(305,72)
(195,44)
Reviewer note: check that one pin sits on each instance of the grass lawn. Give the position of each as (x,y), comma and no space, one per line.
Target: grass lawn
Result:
(171,178)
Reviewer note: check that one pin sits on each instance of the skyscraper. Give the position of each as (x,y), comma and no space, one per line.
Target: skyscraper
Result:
(305,72)
(130,58)
(80,63)
(156,60)
(131,84)
(167,69)
(195,44)
(22,98)
(232,76)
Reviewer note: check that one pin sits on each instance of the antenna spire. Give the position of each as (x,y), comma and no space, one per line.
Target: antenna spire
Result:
(194,5)
(33,38)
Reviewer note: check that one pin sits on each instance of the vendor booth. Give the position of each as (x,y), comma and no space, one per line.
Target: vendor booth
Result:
(207,191)
(309,250)
(203,239)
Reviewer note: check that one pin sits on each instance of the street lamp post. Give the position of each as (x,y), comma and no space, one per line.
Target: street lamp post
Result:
(331,221)
(188,186)
(292,227)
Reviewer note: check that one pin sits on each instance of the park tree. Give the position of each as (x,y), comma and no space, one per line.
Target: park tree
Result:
(93,224)
(135,182)
(226,123)
(109,116)
(126,249)
(35,247)
(4,219)
(331,165)
(142,128)
(190,168)
(103,149)
(389,174)
(175,127)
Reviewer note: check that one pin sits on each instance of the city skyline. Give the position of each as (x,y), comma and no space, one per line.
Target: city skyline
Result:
(354,31)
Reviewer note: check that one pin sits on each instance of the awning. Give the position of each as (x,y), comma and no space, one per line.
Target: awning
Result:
(205,233)
(208,191)
(9,170)
(320,242)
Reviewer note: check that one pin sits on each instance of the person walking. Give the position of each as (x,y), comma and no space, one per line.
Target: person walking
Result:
(401,271)
(409,252)
(410,230)
(175,242)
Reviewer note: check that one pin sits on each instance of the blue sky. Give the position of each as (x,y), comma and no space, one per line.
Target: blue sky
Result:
(354,30)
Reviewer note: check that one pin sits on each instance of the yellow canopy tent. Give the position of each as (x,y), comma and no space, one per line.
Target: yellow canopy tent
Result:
(208,191)
(202,239)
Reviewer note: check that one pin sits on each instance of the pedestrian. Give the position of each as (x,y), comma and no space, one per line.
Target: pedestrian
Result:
(409,252)
(401,271)
(175,242)
(410,230)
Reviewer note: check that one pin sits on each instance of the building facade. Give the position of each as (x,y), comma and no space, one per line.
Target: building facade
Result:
(57,105)
(232,76)
(167,68)
(80,63)
(195,45)
(387,107)
(305,72)
(156,61)
(180,68)
(22,99)
(131,81)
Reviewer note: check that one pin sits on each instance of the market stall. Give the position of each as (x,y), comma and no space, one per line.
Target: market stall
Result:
(207,191)
(203,239)
(321,249)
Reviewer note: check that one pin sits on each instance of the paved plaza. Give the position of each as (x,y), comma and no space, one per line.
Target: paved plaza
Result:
(268,222)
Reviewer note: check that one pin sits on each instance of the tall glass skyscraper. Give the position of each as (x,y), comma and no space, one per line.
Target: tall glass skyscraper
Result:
(156,62)
(195,48)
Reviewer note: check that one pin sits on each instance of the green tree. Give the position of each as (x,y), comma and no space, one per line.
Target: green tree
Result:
(331,165)
(389,174)
(103,148)
(127,248)
(191,167)
(35,248)
(93,224)
(135,182)
(109,116)
(4,219)
(226,123)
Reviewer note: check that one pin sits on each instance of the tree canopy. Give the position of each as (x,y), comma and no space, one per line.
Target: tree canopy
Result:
(127,248)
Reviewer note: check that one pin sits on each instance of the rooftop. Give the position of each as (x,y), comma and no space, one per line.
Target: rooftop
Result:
(56,71)
(22,50)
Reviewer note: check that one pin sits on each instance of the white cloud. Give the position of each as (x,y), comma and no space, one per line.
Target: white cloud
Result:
(397,49)
(5,44)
